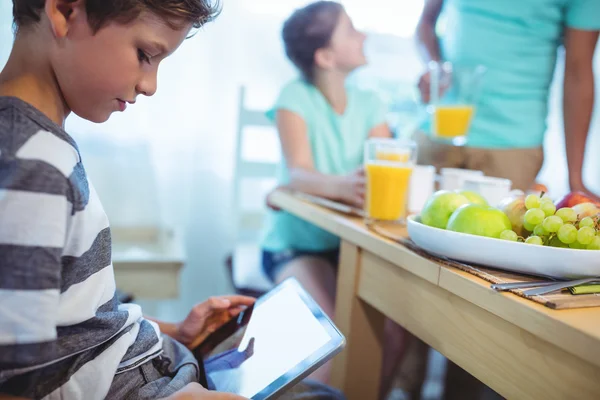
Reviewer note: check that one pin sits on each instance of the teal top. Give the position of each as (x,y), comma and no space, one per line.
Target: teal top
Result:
(337,143)
(517,41)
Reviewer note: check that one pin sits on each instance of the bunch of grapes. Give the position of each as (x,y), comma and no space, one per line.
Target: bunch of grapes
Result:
(556,228)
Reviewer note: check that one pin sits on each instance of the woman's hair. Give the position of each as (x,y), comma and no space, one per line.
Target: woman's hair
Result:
(308,29)
(174,12)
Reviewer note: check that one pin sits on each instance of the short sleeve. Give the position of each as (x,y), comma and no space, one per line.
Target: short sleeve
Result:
(583,14)
(295,97)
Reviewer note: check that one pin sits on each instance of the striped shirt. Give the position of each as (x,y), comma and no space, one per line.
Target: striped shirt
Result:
(63,333)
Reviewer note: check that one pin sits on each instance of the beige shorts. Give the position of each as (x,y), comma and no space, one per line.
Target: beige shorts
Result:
(521,166)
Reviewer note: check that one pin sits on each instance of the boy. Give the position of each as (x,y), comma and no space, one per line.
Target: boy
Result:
(63,334)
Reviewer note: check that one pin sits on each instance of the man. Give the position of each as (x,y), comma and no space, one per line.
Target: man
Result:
(517,42)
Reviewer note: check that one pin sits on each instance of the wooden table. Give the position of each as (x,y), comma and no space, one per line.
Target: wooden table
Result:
(520,349)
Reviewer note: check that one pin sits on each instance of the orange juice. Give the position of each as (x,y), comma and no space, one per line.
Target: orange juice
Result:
(390,155)
(387,190)
(452,121)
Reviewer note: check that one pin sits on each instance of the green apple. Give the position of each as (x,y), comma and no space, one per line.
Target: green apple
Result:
(440,206)
(479,220)
(474,197)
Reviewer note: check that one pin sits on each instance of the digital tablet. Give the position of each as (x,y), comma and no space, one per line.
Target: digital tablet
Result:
(270,346)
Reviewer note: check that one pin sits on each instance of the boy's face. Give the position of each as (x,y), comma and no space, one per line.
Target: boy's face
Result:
(99,73)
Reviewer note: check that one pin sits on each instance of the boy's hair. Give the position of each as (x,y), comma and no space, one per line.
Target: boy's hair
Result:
(307,30)
(99,12)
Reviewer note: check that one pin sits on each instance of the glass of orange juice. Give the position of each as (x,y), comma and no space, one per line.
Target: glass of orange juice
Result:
(388,167)
(454,91)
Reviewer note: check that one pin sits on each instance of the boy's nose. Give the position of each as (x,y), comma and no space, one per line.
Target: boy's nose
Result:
(147,85)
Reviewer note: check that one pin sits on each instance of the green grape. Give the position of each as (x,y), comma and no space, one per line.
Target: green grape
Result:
(586,235)
(534,240)
(552,223)
(548,207)
(509,235)
(539,230)
(567,234)
(534,216)
(587,221)
(532,201)
(567,214)
(529,227)
(577,245)
(595,245)
(555,242)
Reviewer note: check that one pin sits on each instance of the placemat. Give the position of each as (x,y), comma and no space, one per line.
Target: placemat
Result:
(556,301)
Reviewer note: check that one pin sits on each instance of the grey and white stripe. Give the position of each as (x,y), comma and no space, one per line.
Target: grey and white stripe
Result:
(57,289)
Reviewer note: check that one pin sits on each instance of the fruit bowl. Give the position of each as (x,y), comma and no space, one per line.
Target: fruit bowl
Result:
(502,254)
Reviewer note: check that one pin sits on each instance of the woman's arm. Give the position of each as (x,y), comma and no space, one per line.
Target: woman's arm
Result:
(429,46)
(299,160)
(578,100)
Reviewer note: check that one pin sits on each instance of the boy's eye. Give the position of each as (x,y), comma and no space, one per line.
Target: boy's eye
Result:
(143,57)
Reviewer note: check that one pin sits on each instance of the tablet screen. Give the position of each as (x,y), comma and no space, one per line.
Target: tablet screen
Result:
(280,336)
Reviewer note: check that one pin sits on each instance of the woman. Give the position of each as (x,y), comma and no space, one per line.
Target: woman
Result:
(323,125)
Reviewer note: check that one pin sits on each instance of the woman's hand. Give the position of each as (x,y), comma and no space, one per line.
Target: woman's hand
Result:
(424,86)
(207,317)
(351,188)
(587,192)
(268,201)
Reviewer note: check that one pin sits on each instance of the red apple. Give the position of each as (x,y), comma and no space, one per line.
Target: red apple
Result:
(572,199)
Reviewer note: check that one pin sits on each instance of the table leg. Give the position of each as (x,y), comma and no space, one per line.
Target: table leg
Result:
(357,370)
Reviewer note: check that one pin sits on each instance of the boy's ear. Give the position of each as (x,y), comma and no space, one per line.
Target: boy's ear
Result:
(61,13)
(324,58)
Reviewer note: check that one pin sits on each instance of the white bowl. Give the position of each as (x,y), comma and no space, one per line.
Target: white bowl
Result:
(502,254)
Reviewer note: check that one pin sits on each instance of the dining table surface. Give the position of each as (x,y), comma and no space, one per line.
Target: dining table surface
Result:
(519,348)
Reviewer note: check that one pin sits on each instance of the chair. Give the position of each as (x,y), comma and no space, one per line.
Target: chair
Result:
(147,255)
(256,158)
(148,261)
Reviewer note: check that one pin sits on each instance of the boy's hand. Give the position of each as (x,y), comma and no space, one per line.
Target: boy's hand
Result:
(207,317)
(195,391)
